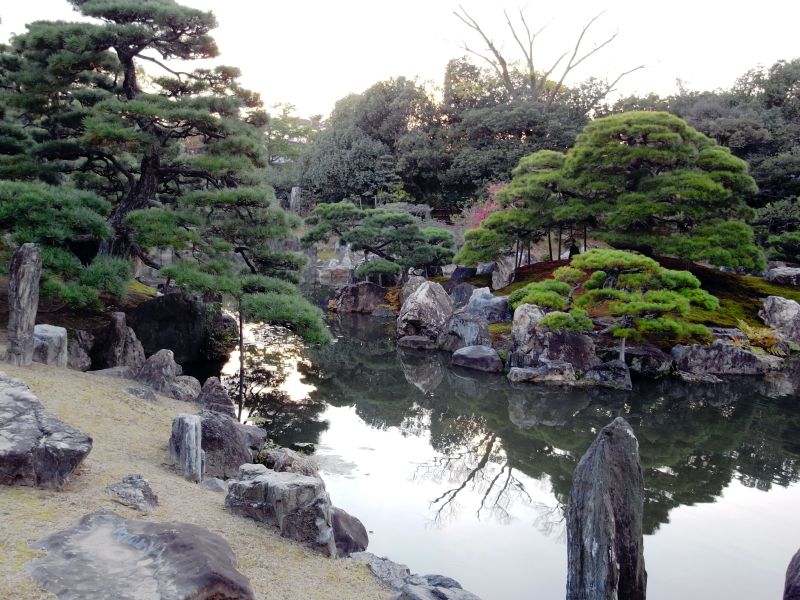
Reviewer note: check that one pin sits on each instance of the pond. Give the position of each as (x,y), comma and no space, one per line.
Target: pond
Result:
(464,474)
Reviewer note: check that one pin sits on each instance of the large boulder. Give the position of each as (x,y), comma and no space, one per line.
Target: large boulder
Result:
(287,460)
(604,519)
(548,371)
(410,286)
(783,315)
(106,556)
(23,302)
(460,294)
(121,347)
(503,272)
(720,358)
(36,448)
(227,444)
(186,388)
(163,374)
(648,361)
(463,329)
(214,397)
(79,350)
(363,297)
(523,327)
(784,276)
(185,446)
(487,306)
(480,358)
(459,276)
(349,532)
(575,348)
(135,492)
(50,345)
(425,312)
(791,588)
(297,504)
(613,374)
(416,342)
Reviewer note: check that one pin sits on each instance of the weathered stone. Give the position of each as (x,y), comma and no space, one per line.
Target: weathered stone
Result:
(134,491)
(487,306)
(79,350)
(348,532)
(50,345)
(105,556)
(121,347)
(297,504)
(784,276)
(575,348)
(648,361)
(429,592)
(159,372)
(791,589)
(228,444)
(23,302)
(215,485)
(720,358)
(410,286)
(463,329)
(551,371)
(460,294)
(36,448)
(185,446)
(185,388)
(286,460)
(391,574)
(143,393)
(480,358)
(612,374)
(307,448)
(503,272)
(523,327)
(459,276)
(782,315)
(214,397)
(118,372)
(425,312)
(697,377)
(604,519)
(416,342)
(362,297)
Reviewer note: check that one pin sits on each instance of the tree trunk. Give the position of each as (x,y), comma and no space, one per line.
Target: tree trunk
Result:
(549,245)
(241,362)
(559,243)
(584,237)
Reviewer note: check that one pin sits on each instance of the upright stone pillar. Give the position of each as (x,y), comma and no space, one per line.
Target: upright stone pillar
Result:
(605,557)
(294,200)
(23,301)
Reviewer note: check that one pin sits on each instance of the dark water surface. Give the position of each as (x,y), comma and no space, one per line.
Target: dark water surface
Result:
(463,474)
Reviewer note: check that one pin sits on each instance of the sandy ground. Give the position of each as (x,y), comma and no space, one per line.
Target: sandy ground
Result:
(130,436)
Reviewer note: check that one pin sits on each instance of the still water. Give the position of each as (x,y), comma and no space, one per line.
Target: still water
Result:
(463,474)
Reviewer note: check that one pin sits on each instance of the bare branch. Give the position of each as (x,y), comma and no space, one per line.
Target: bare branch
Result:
(502,65)
(177,74)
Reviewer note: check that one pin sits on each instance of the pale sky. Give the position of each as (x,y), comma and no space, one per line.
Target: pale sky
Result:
(313,52)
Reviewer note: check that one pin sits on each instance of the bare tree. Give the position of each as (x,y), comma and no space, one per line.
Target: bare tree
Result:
(538,85)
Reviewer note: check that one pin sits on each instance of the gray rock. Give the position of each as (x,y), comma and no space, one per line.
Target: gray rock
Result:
(50,345)
(416,342)
(784,276)
(487,306)
(503,272)
(458,276)
(214,397)
(463,329)
(134,491)
(612,374)
(105,556)
(160,372)
(185,388)
(79,350)
(286,460)
(728,334)
(297,504)
(227,444)
(36,448)
(428,592)
(215,485)
(303,447)
(697,377)
(391,574)
(460,294)
(425,312)
(409,287)
(485,268)
(551,371)
(348,532)
(143,393)
(121,347)
(480,358)
(720,358)
(23,302)
(118,372)
(575,348)
(782,315)
(604,519)
(648,361)
(791,589)
(250,471)
(363,297)
(185,446)
(523,327)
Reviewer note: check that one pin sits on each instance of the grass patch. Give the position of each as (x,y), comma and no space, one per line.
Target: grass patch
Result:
(498,329)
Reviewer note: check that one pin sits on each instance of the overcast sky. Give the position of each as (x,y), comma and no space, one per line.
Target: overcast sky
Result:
(313,52)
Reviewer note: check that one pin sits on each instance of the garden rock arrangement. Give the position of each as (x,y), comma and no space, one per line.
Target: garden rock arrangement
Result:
(348,532)
(480,358)
(79,350)
(50,345)
(121,347)
(214,397)
(135,492)
(162,373)
(36,448)
(185,446)
(720,358)
(363,297)
(784,276)
(227,444)
(105,556)
(491,308)
(23,302)
(425,312)
(783,315)
(464,329)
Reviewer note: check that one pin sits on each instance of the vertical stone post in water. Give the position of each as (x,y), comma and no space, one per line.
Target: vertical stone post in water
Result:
(23,301)
(605,558)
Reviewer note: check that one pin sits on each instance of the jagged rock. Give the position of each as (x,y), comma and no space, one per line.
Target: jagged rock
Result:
(463,329)
(185,446)
(36,448)
(523,326)
(791,589)
(79,350)
(118,372)
(503,272)
(460,294)
(480,358)
(410,286)
(720,358)
(286,460)
(159,372)
(416,342)
(491,308)
(349,532)
(50,345)
(121,347)
(575,348)
(105,556)
(143,393)
(782,315)
(297,504)
(228,444)
(134,491)
(214,397)
(604,519)
(23,302)
(425,312)
(215,484)
(459,276)
(363,297)
(612,374)
(551,371)
(185,388)
(648,361)
(784,276)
